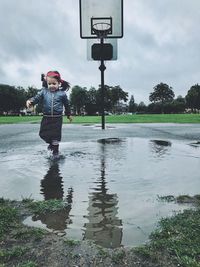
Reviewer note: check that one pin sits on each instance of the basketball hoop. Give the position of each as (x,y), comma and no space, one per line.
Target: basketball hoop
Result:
(101,29)
(101,20)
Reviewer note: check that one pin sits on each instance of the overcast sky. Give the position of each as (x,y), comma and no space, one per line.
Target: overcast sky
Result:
(161,44)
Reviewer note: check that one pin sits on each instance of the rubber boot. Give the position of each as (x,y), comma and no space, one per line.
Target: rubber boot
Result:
(55,149)
(50,147)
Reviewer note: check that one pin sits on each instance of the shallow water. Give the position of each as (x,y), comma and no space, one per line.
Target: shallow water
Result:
(111,180)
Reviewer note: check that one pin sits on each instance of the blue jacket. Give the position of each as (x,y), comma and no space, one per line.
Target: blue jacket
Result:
(52,101)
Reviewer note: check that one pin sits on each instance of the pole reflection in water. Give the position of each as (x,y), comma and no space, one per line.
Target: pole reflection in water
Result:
(52,188)
(104,227)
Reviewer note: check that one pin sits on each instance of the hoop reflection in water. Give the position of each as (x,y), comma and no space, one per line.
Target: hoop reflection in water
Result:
(103,226)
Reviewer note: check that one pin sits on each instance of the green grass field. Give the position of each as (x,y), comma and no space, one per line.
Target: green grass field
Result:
(145,118)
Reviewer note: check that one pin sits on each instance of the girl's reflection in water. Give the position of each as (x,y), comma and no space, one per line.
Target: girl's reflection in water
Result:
(52,188)
(52,184)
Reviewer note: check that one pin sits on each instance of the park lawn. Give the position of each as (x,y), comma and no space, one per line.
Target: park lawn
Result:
(19,119)
(154,118)
(135,118)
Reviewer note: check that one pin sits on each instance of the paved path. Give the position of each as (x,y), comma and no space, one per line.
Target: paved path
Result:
(12,135)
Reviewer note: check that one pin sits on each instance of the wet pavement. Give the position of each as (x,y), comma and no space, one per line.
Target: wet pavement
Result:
(111,179)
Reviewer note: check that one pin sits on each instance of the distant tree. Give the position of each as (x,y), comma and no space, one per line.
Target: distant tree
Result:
(117,95)
(113,96)
(31,91)
(141,108)
(176,106)
(154,108)
(132,106)
(11,98)
(78,99)
(20,100)
(179,105)
(91,100)
(163,94)
(107,99)
(91,107)
(193,97)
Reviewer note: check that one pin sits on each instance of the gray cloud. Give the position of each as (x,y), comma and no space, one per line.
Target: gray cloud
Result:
(161,44)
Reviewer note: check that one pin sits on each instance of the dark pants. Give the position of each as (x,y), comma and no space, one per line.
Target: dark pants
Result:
(50,129)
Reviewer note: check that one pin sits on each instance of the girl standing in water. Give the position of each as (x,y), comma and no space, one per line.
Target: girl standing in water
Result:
(53,98)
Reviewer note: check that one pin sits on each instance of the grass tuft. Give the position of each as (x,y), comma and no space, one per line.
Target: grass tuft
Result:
(15,252)
(71,242)
(42,207)
(118,256)
(8,217)
(27,233)
(28,264)
(178,236)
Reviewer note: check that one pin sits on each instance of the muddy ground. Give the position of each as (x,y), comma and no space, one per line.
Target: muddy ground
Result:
(29,247)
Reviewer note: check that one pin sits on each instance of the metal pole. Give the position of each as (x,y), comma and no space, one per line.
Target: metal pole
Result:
(102,69)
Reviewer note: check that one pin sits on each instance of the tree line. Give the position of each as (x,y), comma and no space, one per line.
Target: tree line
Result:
(83,101)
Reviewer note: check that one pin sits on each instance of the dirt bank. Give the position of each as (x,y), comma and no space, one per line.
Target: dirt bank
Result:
(30,247)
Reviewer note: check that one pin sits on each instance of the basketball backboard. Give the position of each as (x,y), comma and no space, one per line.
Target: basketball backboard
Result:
(107,14)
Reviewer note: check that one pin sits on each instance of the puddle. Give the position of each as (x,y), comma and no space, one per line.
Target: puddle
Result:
(111,185)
